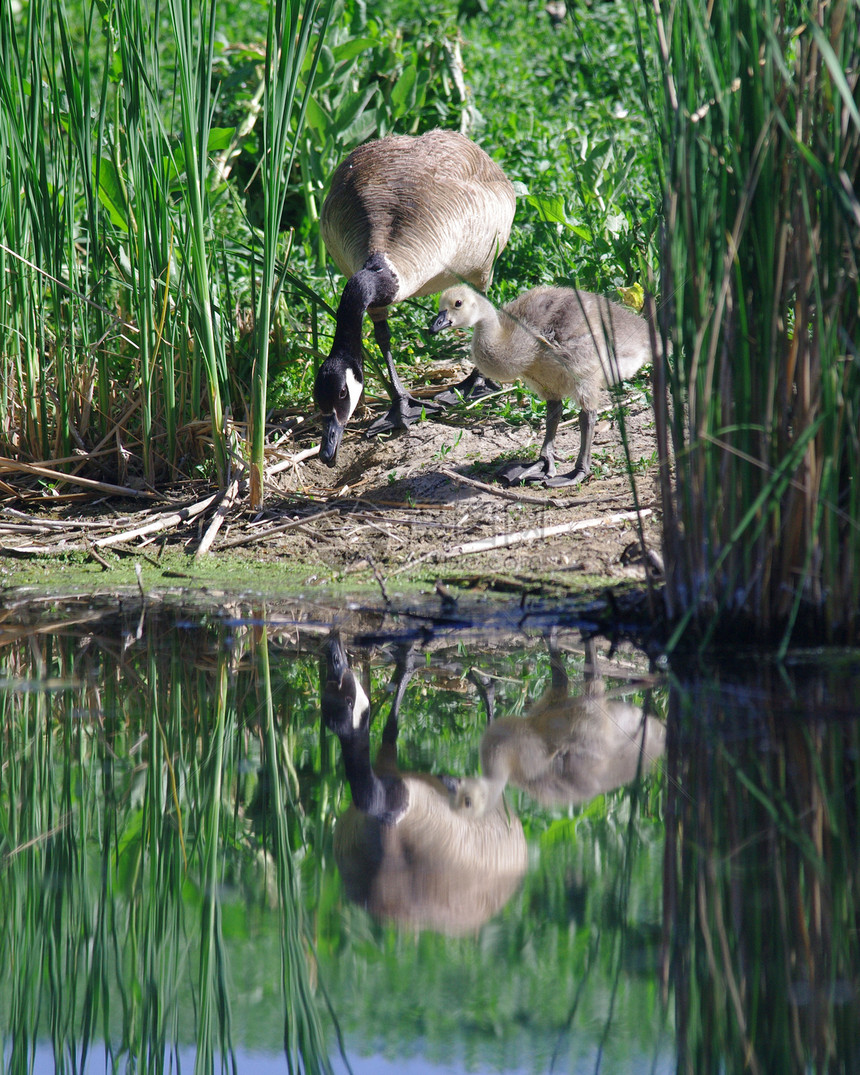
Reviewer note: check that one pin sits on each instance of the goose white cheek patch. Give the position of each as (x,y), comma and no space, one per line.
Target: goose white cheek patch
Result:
(362,704)
(354,387)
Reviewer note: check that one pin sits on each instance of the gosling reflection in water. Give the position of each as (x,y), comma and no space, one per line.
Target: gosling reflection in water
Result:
(403,851)
(566,750)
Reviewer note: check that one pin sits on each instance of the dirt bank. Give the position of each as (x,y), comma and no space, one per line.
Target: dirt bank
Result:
(420,504)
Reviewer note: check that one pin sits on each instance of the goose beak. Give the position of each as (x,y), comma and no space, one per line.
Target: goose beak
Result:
(332,432)
(443,321)
(335,656)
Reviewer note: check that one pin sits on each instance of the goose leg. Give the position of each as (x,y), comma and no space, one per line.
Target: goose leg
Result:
(486,691)
(474,386)
(404,669)
(560,680)
(405,408)
(587,422)
(543,470)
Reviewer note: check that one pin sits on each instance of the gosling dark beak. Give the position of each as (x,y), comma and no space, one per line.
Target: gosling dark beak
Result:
(332,432)
(441,322)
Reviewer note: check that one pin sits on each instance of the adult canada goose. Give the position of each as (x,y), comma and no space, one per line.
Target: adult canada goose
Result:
(403,852)
(405,216)
(566,750)
(563,344)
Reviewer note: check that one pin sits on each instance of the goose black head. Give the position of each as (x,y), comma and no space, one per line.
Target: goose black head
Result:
(345,706)
(340,380)
(337,390)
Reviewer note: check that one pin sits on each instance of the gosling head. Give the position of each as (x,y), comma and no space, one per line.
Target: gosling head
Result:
(459,307)
(472,797)
(337,390)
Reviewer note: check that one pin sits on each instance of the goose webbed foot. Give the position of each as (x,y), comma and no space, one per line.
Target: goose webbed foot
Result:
(404,411)
(475,386)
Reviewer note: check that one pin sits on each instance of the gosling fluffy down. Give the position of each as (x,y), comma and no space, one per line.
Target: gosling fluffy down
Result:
(563,344)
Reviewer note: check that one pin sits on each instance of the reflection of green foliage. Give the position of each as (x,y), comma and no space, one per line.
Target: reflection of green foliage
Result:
(762,870)
(166,813)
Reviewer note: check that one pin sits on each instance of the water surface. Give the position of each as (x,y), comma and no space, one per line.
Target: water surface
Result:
(664,877)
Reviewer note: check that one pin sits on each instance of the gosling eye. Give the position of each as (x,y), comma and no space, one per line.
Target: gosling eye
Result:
(458,303)
(467,802)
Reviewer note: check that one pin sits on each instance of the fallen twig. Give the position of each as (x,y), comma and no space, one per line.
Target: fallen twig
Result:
(505,494)
(537,533)
(292,460)
(261,535)
(227,502)
(58,476)
(163,523)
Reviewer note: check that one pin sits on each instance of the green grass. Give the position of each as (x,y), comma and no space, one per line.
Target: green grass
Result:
(159,218)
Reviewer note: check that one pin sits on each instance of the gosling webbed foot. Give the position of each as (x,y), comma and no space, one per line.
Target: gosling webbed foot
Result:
(475,386)
(525,473)
(573,477)
(404,411)
(540,473)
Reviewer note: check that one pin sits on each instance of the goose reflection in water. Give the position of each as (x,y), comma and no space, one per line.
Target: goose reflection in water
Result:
(566,750)
(402,849)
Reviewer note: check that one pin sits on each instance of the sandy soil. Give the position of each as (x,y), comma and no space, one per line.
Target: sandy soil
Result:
(411,499)
(418,505)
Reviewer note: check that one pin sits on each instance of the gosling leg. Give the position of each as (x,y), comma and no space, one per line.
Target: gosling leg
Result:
(587,422)
(543,471)
(405,408)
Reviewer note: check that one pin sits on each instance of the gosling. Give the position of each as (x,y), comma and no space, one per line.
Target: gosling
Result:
(563,344)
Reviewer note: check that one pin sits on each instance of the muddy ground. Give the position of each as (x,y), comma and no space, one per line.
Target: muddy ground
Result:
(427,500)
(417,505)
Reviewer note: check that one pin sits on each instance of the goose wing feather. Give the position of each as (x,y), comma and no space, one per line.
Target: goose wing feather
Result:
(437,206)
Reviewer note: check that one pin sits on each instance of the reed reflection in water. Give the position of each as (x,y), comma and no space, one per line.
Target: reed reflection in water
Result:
(168,887)
(762,869)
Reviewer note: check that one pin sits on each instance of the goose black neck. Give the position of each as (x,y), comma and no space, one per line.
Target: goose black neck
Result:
(381,797)
(374,285)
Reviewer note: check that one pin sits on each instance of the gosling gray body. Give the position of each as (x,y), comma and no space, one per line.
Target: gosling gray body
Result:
(404,217)
(563,344)
(566,750)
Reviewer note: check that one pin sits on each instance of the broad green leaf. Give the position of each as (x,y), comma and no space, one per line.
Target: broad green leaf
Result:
(111,194)
(403,93)
(363,128)
(219,138)
(352,108)
(316,117)
(349,49)
(550,207)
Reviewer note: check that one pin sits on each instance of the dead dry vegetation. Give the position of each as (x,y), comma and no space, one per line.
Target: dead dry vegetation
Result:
(411,505)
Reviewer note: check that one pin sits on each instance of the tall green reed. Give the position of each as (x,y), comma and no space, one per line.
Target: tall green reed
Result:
(288,60)
(194,39)
(116,292)
(757,414)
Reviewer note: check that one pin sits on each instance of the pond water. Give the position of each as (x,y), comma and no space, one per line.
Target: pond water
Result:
(562,860)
